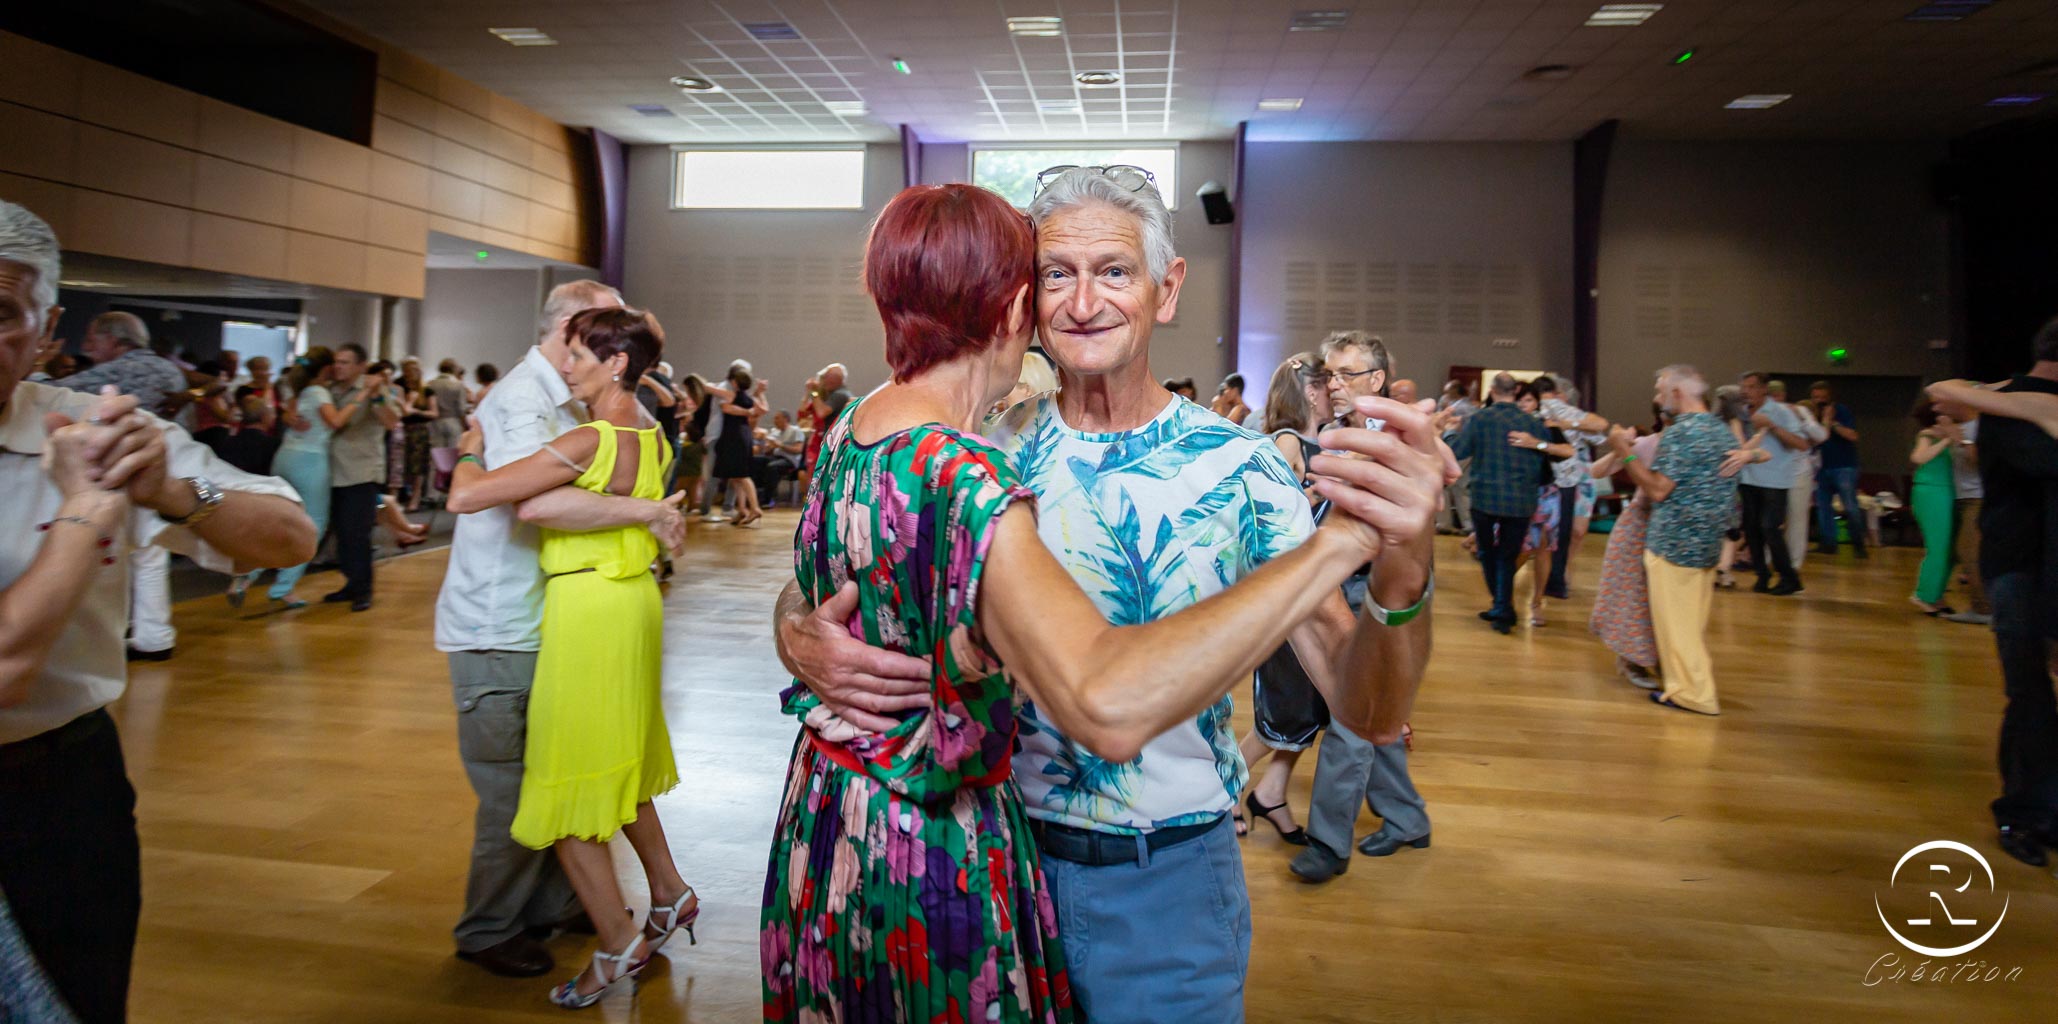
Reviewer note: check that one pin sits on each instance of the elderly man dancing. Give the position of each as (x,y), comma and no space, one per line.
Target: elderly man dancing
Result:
(1154,504)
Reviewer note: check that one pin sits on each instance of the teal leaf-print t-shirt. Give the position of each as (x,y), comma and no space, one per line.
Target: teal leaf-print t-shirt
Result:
(1148,521)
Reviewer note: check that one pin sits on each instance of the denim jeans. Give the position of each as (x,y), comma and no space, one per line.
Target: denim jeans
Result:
(1831,483)
(1165,940)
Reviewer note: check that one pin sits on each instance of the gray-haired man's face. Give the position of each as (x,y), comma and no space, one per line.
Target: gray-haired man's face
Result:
(1096,304)
(23,327)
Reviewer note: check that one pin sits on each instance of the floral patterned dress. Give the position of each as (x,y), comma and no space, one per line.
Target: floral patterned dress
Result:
(904,883)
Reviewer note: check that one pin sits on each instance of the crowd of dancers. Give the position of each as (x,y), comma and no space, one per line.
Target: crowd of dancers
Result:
(1000,806)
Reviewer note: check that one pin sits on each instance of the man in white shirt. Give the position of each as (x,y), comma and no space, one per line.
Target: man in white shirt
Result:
(489,622)
(1797,497)
(69,860)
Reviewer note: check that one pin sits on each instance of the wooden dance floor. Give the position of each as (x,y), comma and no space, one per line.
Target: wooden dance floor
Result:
(305,820)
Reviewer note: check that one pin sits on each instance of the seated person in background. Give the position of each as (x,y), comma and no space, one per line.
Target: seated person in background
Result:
(777,457)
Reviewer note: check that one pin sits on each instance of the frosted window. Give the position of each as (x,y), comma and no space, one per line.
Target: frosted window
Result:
(738,179)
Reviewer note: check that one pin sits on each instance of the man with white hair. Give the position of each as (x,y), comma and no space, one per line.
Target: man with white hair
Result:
(1691,500)
(489,622)
(120,346)
(1154,503)
(70,866)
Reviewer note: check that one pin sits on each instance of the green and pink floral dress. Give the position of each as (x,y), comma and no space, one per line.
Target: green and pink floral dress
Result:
(904,883)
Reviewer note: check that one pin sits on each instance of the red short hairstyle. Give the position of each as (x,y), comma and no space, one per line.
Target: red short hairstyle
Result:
(942,263)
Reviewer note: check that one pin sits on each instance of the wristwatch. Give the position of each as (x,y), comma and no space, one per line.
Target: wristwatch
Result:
(1541,445)
(209,497)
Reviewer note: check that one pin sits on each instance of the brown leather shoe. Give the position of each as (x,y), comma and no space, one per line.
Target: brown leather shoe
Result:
(518,957)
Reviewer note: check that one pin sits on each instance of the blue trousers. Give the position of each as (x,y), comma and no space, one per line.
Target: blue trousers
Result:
(1831,483)
(1165,940)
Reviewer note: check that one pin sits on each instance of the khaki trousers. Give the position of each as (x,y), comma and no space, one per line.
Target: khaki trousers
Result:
(1680,602)
(1968,554)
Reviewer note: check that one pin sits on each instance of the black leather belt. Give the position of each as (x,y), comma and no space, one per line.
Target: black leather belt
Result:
(44,744)
(1100,849)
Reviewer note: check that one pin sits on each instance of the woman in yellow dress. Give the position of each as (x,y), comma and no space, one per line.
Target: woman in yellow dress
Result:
(598,750)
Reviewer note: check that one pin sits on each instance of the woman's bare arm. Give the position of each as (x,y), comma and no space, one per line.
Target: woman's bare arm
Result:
(2040,409)
(1115,688)
(474,488)
(1928,446)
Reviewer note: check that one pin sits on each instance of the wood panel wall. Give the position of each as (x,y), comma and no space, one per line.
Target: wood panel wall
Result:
(121,165)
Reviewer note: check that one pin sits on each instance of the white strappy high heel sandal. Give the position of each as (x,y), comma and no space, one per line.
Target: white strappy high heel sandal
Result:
(625,966)
(670,919)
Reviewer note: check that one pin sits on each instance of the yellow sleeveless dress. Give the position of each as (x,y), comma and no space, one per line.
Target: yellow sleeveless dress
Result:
(597,743)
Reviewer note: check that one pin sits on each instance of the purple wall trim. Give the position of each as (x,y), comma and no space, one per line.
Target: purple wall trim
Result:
(1232,322)
(611,180)
(1589,185)
(910,157)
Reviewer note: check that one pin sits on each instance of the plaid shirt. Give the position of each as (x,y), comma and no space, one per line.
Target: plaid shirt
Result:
(1505,479)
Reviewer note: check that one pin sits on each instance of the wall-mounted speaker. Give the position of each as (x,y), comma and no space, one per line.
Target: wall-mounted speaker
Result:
(1214,201)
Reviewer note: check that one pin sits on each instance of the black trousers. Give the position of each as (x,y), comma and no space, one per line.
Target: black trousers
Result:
(1765,530)
(2029,724)
(1500,543)
(69,861)
(1568,503)
(769,472)
(353,511)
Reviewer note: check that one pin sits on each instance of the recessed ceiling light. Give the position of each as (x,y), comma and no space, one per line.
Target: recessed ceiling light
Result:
(1317,21)
(1948,10)
(689,83)
(1549,73)
(1058,106)
(2020,99)
(770,30)
(1098,79)
(1036,26)
(524,36)
(845,108)
(1280,103)
(1758,101)
(652,109)
(1622,15)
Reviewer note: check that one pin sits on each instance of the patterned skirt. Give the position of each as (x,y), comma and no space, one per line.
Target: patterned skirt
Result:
(1543,526)
(880,908)
(1622,607)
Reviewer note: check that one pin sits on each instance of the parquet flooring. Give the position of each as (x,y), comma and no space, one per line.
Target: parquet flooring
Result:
(305,821)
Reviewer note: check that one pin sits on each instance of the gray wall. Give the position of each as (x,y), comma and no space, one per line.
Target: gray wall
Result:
(478,316)
(1440,248)
(780,288)
(1737,256)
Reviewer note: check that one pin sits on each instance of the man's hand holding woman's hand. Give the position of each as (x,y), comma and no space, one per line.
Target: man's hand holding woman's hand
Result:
(1389,482)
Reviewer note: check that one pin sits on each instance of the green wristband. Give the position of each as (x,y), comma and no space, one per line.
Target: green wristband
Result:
(1627,459)
(473,459)
(1403,616)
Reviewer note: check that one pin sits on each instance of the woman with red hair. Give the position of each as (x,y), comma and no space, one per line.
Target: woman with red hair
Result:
(904,884)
